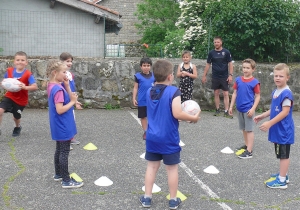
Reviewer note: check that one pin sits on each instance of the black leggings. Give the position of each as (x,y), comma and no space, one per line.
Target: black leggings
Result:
(61,159)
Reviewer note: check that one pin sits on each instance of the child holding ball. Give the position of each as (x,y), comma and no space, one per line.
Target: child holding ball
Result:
(62,123)
(162,141)
(15,102)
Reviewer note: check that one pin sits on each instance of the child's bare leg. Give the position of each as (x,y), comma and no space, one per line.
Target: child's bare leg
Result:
(144,123)
(17,122)
(284,167)
(172,171)
(1,114)
(245,137)
(250,140)
(152,168)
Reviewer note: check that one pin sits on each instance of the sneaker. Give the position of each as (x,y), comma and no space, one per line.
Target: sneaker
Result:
(71,148)
(217,113)
(174,204)
(146,202)
(245,155)
(57,177)
(226,114)
(242,147)
(273,177)
(17,131)
(71,184)
(74,141)
(144,136)
(277,184)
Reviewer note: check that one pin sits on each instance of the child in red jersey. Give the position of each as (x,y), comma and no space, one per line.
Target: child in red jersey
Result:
(15,102)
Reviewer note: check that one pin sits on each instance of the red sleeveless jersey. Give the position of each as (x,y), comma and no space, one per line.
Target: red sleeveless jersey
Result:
(21,97)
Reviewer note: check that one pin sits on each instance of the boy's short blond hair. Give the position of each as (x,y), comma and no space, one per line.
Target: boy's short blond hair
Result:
(162,69)
(21,53)
(251,62)
(284,67)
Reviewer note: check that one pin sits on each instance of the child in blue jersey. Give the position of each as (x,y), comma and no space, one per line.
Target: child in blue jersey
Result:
(281,125)
(62,123)
(246,95)
(162,139)
(67,59)
(142,82)
(187,72)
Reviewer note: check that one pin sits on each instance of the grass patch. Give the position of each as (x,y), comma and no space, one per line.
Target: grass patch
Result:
(5,196)
(109,106)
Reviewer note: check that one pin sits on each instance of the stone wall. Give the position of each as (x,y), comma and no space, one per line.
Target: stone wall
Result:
(110,81)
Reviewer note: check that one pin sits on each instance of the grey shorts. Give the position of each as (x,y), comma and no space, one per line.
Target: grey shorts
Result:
(245,123)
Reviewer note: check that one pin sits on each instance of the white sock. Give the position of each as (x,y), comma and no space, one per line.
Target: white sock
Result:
(147,196)
(175,199)
(282,179)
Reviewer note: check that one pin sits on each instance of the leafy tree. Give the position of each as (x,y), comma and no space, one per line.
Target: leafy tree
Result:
(260,29)
(156,19)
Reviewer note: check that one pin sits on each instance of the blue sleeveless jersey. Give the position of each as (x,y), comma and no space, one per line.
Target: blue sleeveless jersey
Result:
(62,126)
(245,94)
(282,132)
(162,133)
(144,85)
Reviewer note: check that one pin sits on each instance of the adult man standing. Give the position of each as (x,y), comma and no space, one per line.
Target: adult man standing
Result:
(221,61)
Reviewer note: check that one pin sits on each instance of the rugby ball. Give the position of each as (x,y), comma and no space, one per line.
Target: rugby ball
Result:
(191,107)
(11,84)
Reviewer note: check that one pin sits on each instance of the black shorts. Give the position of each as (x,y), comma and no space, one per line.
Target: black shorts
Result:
(10,106)
(142,111)
(282,151)
(171,159)
(219,83)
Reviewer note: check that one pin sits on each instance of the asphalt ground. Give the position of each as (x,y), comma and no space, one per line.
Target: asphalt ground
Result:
(27,168)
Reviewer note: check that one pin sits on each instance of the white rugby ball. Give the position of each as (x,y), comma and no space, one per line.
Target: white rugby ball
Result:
(11,84)
(191,107)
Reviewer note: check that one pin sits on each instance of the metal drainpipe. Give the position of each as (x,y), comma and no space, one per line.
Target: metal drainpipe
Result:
(104,37)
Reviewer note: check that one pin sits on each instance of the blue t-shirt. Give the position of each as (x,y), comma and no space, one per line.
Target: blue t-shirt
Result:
(162,133)
(282,132)
(245,94)
(219,61)
(145,82)
(17,75)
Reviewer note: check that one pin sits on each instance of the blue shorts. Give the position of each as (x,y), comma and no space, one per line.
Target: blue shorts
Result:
(170,159)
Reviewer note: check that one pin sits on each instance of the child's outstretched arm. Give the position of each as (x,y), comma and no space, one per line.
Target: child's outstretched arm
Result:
(266,125)
(258,118)
(181,115)
(232,102)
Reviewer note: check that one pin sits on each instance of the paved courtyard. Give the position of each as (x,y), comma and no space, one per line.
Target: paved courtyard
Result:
(26,167)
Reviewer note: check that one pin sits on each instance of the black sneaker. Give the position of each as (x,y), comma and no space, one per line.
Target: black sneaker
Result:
(242,147)
(217,113)
(17,131)
(245,155)
(226,114)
